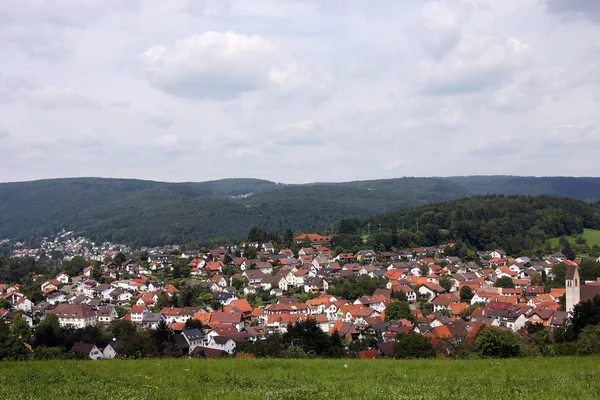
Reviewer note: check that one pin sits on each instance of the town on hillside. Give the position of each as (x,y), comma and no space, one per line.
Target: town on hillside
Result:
(263,299)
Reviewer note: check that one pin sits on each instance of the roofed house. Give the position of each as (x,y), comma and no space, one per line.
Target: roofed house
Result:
(75,315)
(86,350)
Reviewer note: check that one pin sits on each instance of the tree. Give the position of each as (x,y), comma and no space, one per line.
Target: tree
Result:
(446,282)
(536,279)
(192,323)
(337,349)
(589,341)
(119,258)
(424,269)
(497,343)
(504,282)
(412,345)
(163,301)
(309,336)
(164,339)
(466,294)
(586,313)
(398,310)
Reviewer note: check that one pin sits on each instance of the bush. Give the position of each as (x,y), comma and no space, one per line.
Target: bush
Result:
(412,345)
(589,341)
(497,343)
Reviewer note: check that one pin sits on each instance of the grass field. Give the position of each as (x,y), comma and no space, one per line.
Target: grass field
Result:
(552,378)
(591,235)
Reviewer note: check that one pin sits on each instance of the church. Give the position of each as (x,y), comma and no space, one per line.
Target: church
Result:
(575,291)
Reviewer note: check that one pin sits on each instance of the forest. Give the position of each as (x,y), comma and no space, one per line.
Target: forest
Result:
(148,213)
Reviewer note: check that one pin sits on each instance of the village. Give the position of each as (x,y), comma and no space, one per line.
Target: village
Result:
(215,302)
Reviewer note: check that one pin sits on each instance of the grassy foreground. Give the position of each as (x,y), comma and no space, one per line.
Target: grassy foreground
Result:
(553,378)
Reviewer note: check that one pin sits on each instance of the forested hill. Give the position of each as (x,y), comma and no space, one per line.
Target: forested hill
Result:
(154,213)
(587,189)
(513,223)
(141,212)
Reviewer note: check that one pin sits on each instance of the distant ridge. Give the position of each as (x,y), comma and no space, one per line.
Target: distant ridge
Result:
(142,212)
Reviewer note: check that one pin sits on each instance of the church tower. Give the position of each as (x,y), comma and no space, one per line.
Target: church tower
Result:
(572,282)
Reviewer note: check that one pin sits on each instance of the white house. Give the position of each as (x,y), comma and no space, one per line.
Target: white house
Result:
(223,343)
(75,315)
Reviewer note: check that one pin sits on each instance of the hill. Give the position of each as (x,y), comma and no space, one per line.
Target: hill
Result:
(142,212)
(153,213)
(587,189)
(248,379)
(513,223)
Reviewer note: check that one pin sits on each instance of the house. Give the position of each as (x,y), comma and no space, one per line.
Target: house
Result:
(151,320)
(63,278)
(111,350)
(86,350)
(223,343)
(75,315)
(24,304)
(193,337)
(444,301)
(431,289)
(137,313)
(107,314)
(268,247)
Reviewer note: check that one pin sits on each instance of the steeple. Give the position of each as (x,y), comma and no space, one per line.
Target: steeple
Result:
(572,294)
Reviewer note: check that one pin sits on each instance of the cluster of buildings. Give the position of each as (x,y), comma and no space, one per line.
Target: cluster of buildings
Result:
(430,281)
(69,244)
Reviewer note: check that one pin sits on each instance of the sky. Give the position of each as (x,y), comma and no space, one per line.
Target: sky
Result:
(298,91)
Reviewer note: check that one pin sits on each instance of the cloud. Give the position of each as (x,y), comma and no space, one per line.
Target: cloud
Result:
(476,64)
(438,28)
(585,8)
(576,134)
(4,133)
(213,65)
(39,27)
(43,96)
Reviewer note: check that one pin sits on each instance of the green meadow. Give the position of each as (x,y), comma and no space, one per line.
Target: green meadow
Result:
(550,378)
(592,236)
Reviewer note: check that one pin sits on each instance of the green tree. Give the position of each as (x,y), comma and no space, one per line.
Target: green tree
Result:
(192,323)
(589,341)
(466,294)
(585,314)
(308,336)
(397,310)
(164,339)
(446,282)
(504,282)
(412,345)
(497,343)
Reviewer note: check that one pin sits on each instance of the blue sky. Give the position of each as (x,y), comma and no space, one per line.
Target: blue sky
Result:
(298,90)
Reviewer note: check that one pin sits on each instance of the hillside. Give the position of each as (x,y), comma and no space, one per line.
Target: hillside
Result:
(587,189)
(142,212)
(153,213)
(513,223)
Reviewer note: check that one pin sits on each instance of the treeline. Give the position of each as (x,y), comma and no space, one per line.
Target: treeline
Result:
(513,223)
(48,340)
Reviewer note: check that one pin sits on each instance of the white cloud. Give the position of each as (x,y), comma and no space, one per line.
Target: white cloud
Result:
(438,28)
(576,134)
(476,64)
(410,87)
(220,65)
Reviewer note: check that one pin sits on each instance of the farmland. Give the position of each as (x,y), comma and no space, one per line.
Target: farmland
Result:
(592,236)
(552,378)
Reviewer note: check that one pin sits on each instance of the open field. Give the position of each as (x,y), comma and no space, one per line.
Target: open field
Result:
(591,235)
(552,378)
